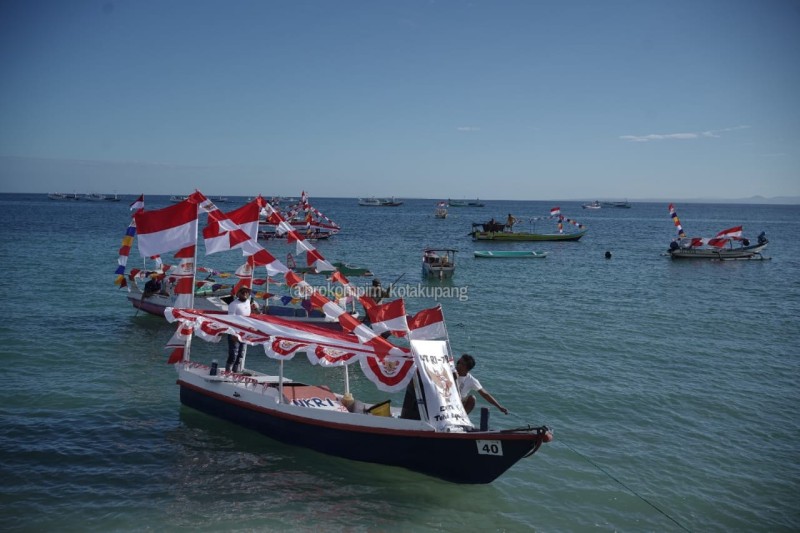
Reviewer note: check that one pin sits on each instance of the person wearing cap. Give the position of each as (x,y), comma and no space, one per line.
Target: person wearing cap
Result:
(240,306)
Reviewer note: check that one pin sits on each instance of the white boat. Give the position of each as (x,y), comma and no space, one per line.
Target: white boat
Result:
(438,263)
(592,205)
(177,199)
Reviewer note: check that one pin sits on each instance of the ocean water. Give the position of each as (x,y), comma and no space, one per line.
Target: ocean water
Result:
(672,387)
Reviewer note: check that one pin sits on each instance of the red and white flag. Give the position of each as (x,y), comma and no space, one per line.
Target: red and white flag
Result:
(219,239)
(389,317)
(555,211)
(138,204)
(735,231)
(167,229)
(428,324)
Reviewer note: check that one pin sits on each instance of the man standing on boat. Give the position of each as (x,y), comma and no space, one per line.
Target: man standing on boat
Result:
(510,221)
(240,306)
(466,383)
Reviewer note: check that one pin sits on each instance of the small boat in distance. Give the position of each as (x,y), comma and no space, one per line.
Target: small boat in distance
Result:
(464,203)
(510,254)
(441,210)
(63,196)
(592,205)
(177,199)
(438,262)
(379,202)
(625,204)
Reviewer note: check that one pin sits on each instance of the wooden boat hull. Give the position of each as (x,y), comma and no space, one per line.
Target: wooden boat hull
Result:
(506,236)
(511,254)
(724,254)
(429,271)
(470,457)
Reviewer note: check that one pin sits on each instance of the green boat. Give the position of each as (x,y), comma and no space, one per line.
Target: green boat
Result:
(497,231)
(523,236)
(510,254)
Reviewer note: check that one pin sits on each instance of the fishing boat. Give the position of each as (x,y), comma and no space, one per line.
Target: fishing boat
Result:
(177,199)
(438,263)
(509,254)
(154,298)
(63,196)
(441,210)
(465,203)
(726,245)
(94,197)
(379,202)
(511,230)
(624,204)
(592,205)
(480,232)
(434,437)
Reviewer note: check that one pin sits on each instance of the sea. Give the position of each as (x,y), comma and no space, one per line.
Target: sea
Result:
(671,386)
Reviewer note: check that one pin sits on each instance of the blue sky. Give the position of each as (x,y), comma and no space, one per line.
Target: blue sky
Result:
(533,100)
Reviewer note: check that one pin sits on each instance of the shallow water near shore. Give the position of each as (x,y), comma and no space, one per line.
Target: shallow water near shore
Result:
(671,386)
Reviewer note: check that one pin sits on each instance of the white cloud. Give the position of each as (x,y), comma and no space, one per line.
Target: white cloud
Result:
(678,136)
(468,128)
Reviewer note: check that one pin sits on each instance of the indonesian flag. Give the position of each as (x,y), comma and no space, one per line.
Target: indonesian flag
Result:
(428,324)
(266,259)
(138,204)
(167,229)
(219,239)
(389,317)
(735,231)
(555,211)
(718,242)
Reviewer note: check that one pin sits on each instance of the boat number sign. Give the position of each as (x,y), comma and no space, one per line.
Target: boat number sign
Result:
(489,447)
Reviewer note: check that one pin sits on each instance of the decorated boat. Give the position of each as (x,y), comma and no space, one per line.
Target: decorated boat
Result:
(434,437)
(566,229)
(509,254)
(154,289)
(438,263)
(302,217)
(726,245)
(431,433)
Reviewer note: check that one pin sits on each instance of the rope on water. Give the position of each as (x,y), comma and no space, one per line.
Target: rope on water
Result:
(603,470)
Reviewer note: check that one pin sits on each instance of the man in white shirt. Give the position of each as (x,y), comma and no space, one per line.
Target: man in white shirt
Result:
(466,383)
(240,306)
